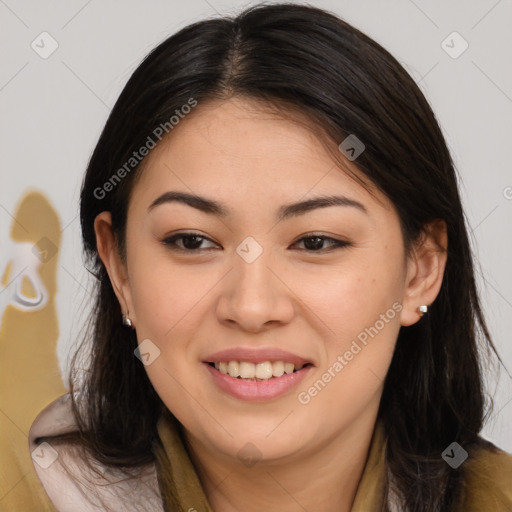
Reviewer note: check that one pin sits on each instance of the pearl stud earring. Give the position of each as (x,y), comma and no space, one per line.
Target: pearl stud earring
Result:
(422,309)
(127,321)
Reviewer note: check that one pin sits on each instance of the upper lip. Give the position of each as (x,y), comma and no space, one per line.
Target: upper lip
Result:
(256,356)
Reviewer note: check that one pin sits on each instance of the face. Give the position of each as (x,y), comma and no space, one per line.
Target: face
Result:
(328,285)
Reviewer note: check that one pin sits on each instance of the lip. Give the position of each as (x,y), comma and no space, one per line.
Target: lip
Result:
(256,391)
(256,356)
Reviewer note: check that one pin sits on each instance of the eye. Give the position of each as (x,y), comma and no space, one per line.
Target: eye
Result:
(191,242)
(314,241)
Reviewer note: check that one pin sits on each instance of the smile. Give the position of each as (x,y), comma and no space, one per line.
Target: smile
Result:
(256,371)
(254,388)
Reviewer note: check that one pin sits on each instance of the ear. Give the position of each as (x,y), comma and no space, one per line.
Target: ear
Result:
(116,269)
(425,271)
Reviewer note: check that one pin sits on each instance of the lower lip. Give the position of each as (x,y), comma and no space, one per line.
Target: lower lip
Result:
(257,391)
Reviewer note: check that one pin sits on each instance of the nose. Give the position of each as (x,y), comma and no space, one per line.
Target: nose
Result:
(255,296)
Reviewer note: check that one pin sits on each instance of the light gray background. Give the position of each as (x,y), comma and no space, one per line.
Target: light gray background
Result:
(52,112)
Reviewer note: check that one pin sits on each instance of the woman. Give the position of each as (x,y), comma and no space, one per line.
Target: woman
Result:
(286,315)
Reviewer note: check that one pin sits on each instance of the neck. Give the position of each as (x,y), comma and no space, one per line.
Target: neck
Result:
(313,480)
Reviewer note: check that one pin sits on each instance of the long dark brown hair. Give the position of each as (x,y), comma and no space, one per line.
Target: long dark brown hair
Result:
(304,58)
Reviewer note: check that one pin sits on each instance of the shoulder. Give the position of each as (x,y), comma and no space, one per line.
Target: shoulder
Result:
(70,481)
(487,481)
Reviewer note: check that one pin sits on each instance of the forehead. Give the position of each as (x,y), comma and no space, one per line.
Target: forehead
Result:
(238,149)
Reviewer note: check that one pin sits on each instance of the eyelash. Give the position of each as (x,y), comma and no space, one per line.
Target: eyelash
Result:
(171,242)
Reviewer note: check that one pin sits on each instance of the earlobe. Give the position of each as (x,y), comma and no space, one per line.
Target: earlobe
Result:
(109,255)
(425,272)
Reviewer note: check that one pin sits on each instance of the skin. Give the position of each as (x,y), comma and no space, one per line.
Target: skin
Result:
(311,303)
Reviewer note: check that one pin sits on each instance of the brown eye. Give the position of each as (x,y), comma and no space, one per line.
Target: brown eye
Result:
(314,243)
(189,242)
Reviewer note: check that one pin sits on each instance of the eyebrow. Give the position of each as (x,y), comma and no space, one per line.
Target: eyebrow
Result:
(286,211)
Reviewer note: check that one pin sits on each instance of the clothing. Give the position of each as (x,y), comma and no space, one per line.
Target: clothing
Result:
(487,476)
(174,461)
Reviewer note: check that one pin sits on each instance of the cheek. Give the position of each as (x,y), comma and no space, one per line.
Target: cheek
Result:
(352,297)
(359,306)
(162,296)
(363,320)
(159,287)
(341,300)
(171,301)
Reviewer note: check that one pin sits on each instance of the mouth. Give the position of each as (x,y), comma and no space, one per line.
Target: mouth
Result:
(257,382)
(257,372)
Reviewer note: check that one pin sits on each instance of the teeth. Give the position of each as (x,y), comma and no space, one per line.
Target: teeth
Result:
(264,370)
(247,370)
(233,368)
(277,368)
(261,371)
